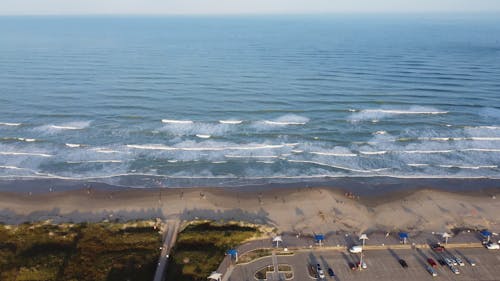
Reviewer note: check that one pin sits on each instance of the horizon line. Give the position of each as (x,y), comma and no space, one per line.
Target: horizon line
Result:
(336,13)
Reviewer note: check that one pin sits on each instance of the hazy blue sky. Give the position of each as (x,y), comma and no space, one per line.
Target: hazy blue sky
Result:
(241,6)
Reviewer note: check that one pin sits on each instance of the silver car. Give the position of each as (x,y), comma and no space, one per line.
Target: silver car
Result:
(459,261)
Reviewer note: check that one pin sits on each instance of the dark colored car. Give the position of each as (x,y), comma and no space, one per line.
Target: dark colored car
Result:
(432,262)
(403,263)
(330,272)
(441,262)
(352,266)
(437,248)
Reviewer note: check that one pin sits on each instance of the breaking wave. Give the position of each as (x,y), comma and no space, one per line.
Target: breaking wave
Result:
(171,121)
(377,114)
(10,124)
(231,122)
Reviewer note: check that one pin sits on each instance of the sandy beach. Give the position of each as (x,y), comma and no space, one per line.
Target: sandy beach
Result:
(288,208)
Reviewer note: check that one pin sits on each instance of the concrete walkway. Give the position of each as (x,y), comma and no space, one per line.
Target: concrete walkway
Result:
(168,241)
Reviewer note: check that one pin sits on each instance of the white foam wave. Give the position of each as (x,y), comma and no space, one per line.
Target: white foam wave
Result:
(201,136)
(377,114)
(25,154)
(26,139)
(454,139)
(417,165)
(379,133)
(251,156)
(171,121)
(481,149)
(387,111)
(470,167)
(231,122)
(209,148)
(337,166)
(373,152)
(424,151)
(288,119)
(19,139)
(105,150)
(73,145)
(219,162)
(9,124)
(280,123)
(12,168)
(334,154)
(94,161)
(54,128)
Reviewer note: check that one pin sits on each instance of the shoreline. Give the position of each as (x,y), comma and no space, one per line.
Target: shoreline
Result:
(351,206)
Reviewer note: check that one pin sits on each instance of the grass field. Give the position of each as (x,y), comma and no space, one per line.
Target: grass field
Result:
(79,252)
(200,248)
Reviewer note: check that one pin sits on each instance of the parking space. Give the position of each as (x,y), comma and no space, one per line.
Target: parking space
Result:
(384,265)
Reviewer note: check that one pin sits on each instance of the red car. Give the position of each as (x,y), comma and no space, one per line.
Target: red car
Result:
(432,262)
(438,248)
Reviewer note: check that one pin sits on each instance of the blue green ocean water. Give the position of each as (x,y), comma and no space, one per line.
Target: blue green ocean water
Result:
(238,100)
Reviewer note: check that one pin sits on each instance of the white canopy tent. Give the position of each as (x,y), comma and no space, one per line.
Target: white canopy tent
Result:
(215,276)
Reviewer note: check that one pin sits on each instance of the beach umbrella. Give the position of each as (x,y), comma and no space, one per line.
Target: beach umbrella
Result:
(233,253)
(486,234)
(363,237)
(319,238)
(277,240)
(403,236)
(446,235)
(215,276)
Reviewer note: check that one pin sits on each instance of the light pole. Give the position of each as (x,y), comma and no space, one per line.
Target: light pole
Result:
(446,235)
(363,237)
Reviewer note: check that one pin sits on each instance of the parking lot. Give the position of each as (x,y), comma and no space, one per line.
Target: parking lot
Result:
(384,265)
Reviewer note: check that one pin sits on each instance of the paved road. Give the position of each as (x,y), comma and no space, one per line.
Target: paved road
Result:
(168,242)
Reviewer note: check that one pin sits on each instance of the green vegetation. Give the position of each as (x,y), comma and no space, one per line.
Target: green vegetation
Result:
(67,252)
(201,247)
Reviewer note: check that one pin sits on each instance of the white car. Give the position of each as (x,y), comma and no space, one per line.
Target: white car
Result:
(356,249)
(431,270)
(321,274)
(454,269)
(492,246)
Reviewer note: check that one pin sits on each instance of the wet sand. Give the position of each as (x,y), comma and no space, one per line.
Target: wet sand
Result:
(353,205)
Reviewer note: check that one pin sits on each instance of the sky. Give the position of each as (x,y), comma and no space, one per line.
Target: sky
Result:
(210,7)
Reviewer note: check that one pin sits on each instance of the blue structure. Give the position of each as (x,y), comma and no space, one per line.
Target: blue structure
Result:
(319,238)
(233,253)
(403,236)
(486,234)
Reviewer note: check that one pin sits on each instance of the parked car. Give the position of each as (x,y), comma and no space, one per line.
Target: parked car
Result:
(356,249)
(321,274)
(471,261)
(441,262)
(431,270)
(403,263)
(492,246)
(352,266)
(438,248)
(459,261)
(432,262)
(330,272)
(454,270)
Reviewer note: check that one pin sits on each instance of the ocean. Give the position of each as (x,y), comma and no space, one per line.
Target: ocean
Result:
(223,101)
